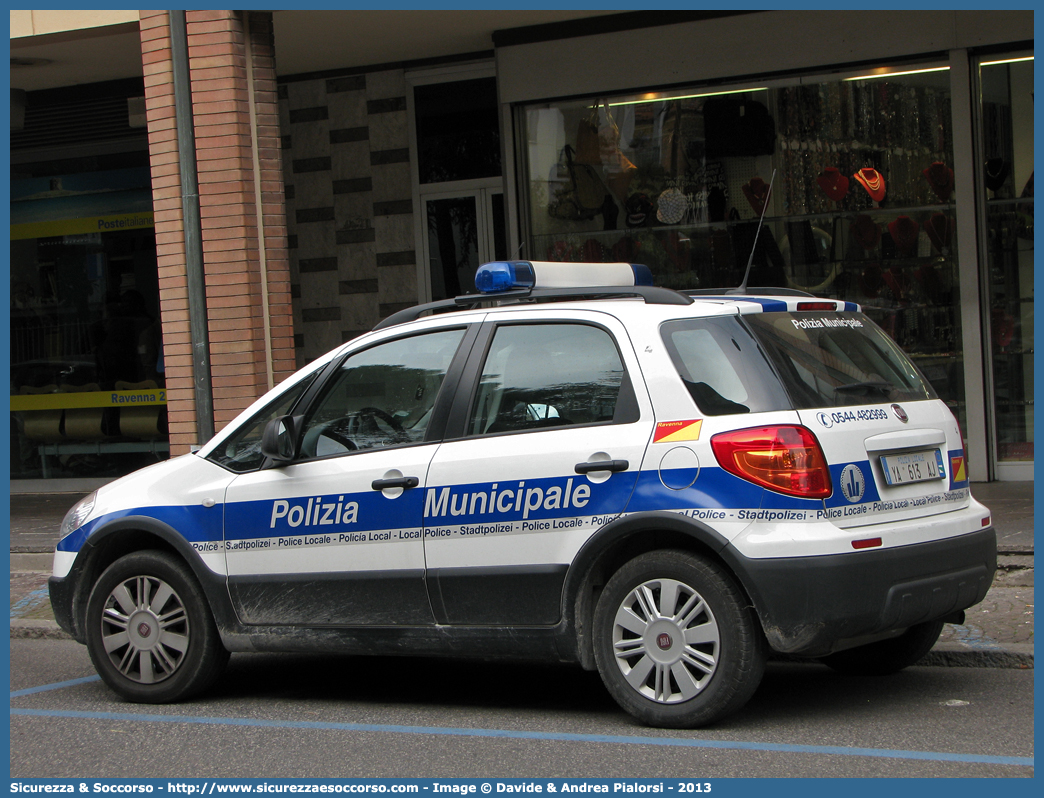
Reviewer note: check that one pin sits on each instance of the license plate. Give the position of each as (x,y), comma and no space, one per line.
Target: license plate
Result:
(902,469)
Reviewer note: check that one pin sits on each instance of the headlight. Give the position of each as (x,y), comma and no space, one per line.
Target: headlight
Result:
(79,513)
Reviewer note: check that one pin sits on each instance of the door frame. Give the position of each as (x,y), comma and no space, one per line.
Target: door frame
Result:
(460,188)
(482,191)
(984,405)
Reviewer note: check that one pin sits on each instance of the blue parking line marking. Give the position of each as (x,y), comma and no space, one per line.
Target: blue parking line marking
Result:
(974,638)
(31,598)
(675,742)
(56,686)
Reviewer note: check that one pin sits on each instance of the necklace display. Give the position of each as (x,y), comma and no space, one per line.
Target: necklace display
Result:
(872,181)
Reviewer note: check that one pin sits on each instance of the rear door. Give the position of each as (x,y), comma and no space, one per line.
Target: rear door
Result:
(894,448)
(549,445)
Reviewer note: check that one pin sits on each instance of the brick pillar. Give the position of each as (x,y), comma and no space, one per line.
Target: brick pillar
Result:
(238,161)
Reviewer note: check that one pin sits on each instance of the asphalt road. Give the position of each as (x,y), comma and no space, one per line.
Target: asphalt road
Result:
(282,716)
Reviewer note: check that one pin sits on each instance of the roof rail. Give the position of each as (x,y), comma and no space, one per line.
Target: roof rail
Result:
(653,295)
(732,292)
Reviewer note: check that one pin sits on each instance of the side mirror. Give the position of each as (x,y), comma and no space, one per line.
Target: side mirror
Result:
(277,441)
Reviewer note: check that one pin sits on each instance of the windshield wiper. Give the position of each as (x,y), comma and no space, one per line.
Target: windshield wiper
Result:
(865,388)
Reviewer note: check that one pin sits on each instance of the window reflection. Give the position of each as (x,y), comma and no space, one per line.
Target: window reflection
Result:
(861,208)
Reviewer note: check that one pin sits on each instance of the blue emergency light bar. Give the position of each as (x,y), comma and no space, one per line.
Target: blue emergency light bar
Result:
(505,275)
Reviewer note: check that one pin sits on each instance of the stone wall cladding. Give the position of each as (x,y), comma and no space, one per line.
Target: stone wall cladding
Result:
(346,163)
(228,210)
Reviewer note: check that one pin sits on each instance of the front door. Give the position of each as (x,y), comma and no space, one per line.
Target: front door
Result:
(335,537)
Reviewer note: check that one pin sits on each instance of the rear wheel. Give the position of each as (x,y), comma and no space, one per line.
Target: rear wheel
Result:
(676,642)
(150,633)
(887,656)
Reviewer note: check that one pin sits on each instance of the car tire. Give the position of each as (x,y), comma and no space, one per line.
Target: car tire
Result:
(887,656)
(150,632)
(676,641)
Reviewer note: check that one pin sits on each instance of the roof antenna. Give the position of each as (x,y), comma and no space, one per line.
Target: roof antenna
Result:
(519,250)
(742,288)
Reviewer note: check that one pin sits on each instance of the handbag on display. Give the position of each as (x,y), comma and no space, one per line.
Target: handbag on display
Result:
(618,168)
(587,147)
(671,206)
(681,131)
(584,195)
(639,209)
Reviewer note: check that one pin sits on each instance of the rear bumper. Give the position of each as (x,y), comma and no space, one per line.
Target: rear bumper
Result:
(810,606)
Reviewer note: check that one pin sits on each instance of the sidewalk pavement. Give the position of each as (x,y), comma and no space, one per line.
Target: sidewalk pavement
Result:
(996,633)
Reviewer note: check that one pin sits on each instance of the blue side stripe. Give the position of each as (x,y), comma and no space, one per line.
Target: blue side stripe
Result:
(193,522)
(672,742)
(710,487)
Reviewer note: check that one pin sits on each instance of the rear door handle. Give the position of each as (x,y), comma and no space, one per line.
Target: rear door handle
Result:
(602,465)
(396,482)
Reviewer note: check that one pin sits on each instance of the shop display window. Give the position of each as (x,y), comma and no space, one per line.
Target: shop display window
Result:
(458,131)
(1007,183)
(87,372)
(861,207)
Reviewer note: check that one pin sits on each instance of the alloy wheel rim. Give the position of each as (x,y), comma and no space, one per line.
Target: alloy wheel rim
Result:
(666,641)
(145,629)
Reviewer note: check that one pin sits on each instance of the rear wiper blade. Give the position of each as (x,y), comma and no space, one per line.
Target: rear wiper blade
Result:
(865,387)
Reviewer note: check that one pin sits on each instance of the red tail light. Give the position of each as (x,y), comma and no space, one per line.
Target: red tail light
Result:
(784,458)
(816,306)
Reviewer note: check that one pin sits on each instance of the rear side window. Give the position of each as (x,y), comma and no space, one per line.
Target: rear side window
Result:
(538,376)
(836,359)
(722,367)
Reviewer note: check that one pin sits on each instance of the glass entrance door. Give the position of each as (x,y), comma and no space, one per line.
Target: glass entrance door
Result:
(462,231)
(1006,127)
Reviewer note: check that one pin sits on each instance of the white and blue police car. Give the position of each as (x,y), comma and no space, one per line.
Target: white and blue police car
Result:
(571,466)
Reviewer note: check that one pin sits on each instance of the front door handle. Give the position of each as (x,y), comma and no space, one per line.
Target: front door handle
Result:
(602,465)
(396,482)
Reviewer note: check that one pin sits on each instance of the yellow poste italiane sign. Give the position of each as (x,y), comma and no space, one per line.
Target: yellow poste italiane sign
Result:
(90,224)
(68,401)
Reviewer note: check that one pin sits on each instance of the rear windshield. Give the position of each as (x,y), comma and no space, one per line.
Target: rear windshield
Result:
(778,361)
(832,359)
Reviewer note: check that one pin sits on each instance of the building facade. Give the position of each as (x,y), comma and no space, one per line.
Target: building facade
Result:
(273,194)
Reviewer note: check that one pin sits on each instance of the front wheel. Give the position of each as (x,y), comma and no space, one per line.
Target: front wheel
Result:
(150,633)
(676,642)
(887,656)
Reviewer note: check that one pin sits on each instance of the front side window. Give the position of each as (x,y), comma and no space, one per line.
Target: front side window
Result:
(381,396)
(550,375)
